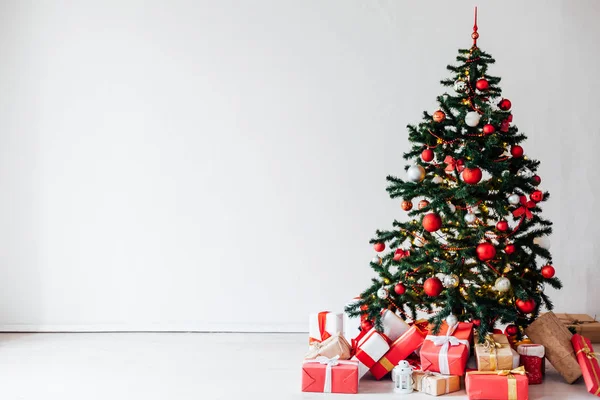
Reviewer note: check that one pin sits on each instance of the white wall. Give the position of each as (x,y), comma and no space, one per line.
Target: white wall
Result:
(204,165)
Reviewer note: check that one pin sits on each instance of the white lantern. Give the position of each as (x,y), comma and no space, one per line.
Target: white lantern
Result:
(402,377)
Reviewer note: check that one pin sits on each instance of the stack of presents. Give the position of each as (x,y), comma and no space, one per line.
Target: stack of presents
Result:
(499,367)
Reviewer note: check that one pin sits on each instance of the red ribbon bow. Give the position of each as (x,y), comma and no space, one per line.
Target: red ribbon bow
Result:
(400,254)
(459,165)
(524,209)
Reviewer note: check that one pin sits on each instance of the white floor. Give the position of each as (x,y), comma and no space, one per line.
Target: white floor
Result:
(174,366)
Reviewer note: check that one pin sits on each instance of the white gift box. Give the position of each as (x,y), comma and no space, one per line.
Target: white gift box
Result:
(351,324)
(370,349)
(323,325)
(393,325)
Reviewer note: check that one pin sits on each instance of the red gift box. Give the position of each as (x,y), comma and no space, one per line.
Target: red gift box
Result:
(588,362)
(330,375)
(532,358)
(403,347)
(497,385)
(448,352)
(370,349)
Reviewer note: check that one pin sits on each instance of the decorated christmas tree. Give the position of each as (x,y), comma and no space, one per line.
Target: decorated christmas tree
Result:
(472,245)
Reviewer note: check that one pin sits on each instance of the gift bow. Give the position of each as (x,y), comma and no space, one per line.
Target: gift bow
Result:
(453,164)
(446,342)
(524,209)
(587,351)
(491,345)
(510,374)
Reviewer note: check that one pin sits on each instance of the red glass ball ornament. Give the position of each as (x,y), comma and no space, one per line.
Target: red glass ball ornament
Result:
(366,325)
(432,222)
(379,247)
(488,129)
(537,196)
(502,226)
(433,287)
(399,288)
(485,251)
(476,322)
(439,116)
(511,330)
(407,205)
(516,151)
(548,271)
(505,104)
(536,180)
(423,204)
(525,306)
(427,155)
(482,84)
(509,249)
(472,176)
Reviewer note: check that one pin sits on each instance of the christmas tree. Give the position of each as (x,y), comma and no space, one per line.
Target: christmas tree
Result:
(475,246)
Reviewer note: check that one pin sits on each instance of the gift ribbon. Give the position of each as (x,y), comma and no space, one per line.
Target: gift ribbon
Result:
(446,342)
(453,164)
(590,355)
(510,375)
(524,209)
(491,345)
(329,363)
(322,320)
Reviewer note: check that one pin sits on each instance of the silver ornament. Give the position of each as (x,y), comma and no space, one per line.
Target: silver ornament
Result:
(450,281)
(376,260)
(418,242)
(416,173)
(543,242)
(382,293)
(451,320)
(470,218)
(437,179)
(452,207)
(472,118)
(460,86)
(502,284)
(514,199)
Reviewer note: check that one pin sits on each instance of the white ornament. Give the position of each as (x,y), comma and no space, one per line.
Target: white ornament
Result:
(416,173)
(502,284)
(470,218)
(460,86)
(472,118)
(452,207)
(376,260)
(450,281)
(382,293)
(543,242)
(451,320)
(418,242)
(402,378)
(514,199)
(437,179)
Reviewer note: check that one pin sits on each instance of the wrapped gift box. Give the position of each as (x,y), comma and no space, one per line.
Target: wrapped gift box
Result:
(329,375)
(336,345)
(532,358)
(351,324)
(369,350)
(323,325)
(497,385)
(393,325)
(403,347)
(588,362)
(435,384)
(582,324)
(494,353)
(447,352)
(548,331)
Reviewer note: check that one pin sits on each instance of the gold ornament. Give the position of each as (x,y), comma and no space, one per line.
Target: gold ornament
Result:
(386,281)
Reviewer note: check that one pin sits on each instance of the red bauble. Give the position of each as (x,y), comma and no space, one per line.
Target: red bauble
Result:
(537,196)
(509,249)
(427,155)
(488,129)
(366,325)
(399,288)
(536,180)
(476,322)
(511,330)
(433,287)
(439,116)
(482,84)
(502,226)
(505,104)
(432,222)
(525,306)
(379,247)
(548,271)
(485,251)
(471,176)
(406,205)
(516,151)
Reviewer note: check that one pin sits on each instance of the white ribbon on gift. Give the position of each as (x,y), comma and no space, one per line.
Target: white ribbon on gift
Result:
(446,342)
(328,362)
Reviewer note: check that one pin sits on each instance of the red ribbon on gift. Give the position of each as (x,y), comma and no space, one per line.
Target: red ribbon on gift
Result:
(400,254)
(322,324)
(524,209)
(453,164)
